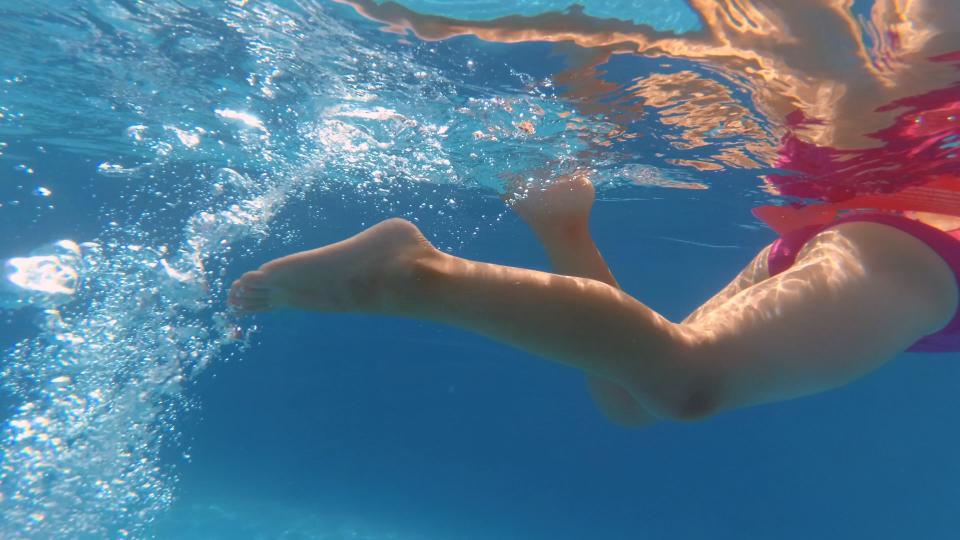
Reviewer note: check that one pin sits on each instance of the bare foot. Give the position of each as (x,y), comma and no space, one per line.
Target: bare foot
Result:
(356,274)
(562,204)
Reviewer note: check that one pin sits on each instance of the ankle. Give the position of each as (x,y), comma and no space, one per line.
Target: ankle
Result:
(410,277)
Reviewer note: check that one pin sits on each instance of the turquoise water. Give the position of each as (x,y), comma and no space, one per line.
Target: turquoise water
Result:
(151,152)
(672,16)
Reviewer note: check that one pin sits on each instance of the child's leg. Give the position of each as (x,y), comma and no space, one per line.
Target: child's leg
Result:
(753,273)
(859,294)
(559,215)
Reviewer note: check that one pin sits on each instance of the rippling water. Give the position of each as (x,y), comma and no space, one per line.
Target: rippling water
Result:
(146,145)
(200,123)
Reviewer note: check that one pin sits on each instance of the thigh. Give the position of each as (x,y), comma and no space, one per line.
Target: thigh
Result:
(858,295)
(753,273)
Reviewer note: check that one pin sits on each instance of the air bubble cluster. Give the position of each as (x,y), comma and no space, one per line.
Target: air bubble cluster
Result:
(198,127)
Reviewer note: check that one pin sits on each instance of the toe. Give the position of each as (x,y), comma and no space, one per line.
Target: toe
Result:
(255,306)
(250,293)
(249,304)
(254,281)
(241,291)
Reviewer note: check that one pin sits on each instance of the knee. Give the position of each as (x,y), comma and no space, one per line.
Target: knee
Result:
(681,403)
(697,402)
(691,390)
(699,377)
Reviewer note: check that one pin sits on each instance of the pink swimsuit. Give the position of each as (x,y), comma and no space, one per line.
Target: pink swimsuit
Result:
(784,253)
(914,169)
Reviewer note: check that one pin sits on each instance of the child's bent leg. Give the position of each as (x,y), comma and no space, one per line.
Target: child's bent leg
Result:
(849,304)
(559,214)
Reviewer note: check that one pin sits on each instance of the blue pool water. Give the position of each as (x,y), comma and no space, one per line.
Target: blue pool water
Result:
(667,15)
(152,152)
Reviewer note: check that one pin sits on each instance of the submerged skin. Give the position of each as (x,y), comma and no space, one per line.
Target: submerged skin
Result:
(858,294)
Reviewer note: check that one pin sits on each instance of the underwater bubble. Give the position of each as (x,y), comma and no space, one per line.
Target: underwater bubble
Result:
(190,139)
(115,169)
(136,132)
(232,183)
(244,118)
(48,277)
